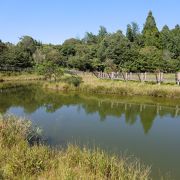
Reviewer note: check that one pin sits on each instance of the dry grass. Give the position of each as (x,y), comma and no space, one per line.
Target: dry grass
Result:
(93,85)
(7,85)
(19,160)
(20,77)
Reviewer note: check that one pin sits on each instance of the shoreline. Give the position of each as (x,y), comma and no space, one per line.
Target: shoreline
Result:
(93,85)
(22,159)
(119,88)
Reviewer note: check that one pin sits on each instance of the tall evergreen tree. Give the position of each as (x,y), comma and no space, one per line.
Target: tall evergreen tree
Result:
(129,33)
(150,32)
(102,33)
(2,47)
(132,32)
(175,37)
(135,29)
(165,37)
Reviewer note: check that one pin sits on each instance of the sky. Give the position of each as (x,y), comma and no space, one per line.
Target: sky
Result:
(53,21)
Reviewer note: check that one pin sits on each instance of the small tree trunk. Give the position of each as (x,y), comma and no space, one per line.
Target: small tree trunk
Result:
(158,78)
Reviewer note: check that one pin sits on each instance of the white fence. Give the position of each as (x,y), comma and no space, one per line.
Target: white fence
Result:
(142,77)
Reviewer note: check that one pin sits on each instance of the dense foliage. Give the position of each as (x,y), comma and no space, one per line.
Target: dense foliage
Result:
(150,50)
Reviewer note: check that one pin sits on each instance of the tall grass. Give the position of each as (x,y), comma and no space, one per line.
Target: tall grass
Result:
(19,76)
(13,85)
(20,160)
(93,85)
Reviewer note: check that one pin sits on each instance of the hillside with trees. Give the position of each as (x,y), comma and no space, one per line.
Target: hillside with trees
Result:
(150,50)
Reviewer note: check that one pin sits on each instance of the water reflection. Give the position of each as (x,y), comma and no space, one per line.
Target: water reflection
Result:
(146,109)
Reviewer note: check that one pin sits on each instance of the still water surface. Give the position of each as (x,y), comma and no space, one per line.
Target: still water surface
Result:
(148,128)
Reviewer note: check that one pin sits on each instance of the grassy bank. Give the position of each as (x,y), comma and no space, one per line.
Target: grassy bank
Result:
(19,76)
(20,160)
(93,85)
(13,85)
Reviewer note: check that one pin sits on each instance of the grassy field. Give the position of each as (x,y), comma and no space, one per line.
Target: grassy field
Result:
(20,160)
(93,85)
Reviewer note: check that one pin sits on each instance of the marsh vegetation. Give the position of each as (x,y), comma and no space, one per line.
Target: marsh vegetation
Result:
(19,159)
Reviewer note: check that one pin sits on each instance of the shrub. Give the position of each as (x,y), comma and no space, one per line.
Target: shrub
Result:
(14,130)
(50,70)
(74,80)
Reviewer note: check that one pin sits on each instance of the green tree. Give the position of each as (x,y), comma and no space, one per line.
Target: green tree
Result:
(133,34)
(166,37)
(150,59)
(102,33)
(135,29)
(50,70)
(28,44)
(129,33)
(90,38)
(170,40)
(175,48)
(14,56)
(2,47)
(150,32)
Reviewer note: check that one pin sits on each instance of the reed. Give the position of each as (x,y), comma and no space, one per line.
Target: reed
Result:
(20,160)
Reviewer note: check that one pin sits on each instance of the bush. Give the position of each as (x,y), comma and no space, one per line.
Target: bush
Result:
(14,130)
(50,70)
(74,80)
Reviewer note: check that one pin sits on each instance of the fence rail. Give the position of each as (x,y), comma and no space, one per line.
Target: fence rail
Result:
(141,77)
(5,69)
(159,77)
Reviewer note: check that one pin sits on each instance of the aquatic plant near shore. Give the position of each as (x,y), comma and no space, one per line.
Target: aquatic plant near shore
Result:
(72,80)
(19,160)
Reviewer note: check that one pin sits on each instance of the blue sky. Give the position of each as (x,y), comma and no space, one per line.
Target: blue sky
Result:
(53,21)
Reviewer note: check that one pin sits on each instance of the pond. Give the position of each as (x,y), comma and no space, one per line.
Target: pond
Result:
(148,128)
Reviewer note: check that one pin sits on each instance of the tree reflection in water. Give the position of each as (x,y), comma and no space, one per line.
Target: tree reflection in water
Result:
(32,98)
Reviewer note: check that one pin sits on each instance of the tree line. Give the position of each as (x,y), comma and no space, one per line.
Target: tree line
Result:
(150,50)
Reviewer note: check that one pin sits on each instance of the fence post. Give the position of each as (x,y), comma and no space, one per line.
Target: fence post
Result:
(98,74)
(138,74)
(162,77)
(126,76)
(145,76)
(158,78)
(130,76)
(141,77)
(178,78)
(112,75)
